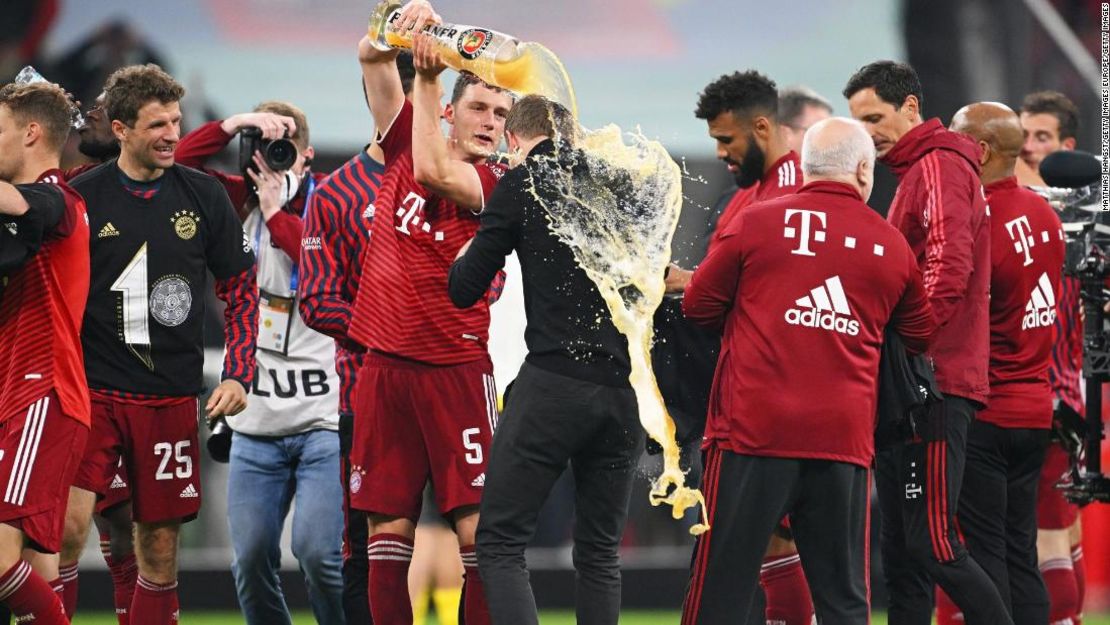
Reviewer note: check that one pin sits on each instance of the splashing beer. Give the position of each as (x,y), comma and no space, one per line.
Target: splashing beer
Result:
(618,215)
(522,67)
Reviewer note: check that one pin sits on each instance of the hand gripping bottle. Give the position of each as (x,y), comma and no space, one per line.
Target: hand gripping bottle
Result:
(521,67)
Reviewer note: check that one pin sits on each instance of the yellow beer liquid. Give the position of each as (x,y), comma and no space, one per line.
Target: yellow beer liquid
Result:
(524,68)
(619,221)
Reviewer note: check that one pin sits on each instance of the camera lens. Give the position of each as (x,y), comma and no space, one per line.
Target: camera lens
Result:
(280,154)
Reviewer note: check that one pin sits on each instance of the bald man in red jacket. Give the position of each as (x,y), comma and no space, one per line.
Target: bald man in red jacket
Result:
(803,287)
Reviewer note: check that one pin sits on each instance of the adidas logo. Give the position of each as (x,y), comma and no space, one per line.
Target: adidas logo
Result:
(1040,310)
(189,492)
(479,481)
(108,231)
(117,482)
(826,308)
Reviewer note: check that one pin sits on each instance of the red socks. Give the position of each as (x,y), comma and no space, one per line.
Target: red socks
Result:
(390,556)
(948,613)
(474,599)
(68,577)
(1063,596)
(30,598)
(124,575)
(784,583)
(1080,568)
(154,604)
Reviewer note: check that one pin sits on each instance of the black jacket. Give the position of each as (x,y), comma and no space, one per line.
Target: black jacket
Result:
(907,392)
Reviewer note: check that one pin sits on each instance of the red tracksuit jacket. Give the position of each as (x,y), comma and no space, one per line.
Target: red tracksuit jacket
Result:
(803,286)
(1027,258)
(941,209)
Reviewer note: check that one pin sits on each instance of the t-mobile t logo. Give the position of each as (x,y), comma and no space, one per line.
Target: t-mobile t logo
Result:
(410,211)
(1022,234)
(807,227)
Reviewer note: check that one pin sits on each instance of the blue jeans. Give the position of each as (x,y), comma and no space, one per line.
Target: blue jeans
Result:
(265,476)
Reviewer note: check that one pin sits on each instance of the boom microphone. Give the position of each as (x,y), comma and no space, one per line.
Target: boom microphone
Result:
(1070,169)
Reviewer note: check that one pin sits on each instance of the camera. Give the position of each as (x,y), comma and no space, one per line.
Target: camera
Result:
(279,154)
(1074,191)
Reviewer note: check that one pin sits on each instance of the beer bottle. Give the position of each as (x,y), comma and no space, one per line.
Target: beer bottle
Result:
(499,59)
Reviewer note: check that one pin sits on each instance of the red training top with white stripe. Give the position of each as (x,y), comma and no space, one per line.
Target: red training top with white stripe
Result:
(402,307)
(41,309)
(941,209)
(1065,367)
(1027,258)
(782,178)
(804,286)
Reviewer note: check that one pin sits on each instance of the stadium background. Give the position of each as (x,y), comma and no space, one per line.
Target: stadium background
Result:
(634,63)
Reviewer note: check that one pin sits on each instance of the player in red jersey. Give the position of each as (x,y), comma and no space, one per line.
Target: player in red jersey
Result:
(113,512)
(426,403)
(44,279)
(741,111)
(1050,122)
(1006,442)
(802,287)
(941,210)
(160,229)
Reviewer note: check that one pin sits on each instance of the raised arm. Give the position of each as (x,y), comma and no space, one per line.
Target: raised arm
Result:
(432,163)
(380,79)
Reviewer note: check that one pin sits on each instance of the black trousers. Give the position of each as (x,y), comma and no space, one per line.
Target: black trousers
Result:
(356,566)
(998,514)
(746,498)
(549,420)
(919,488)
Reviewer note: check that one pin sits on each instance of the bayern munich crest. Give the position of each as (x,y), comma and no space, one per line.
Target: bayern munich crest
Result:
(356,479)
(185,224)
(171,300)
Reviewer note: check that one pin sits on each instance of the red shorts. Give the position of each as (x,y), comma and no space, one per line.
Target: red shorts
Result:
(160,452)
(415,421)
(118,492)
(1054,511)
(39,453)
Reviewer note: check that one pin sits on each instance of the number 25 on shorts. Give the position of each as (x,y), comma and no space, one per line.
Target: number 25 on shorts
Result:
(178,454)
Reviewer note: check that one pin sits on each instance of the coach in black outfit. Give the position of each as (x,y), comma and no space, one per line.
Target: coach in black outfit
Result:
(570,402)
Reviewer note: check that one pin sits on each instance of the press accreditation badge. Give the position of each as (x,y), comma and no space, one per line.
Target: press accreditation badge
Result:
(275,321)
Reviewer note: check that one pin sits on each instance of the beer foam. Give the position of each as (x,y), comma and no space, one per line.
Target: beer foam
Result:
(618,213)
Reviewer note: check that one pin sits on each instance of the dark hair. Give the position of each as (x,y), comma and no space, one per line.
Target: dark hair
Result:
(300,137)
(42,102)
(1057,104)
(406,70)
(131,88)
(794,100)
(744,94)
(535,116)
(893,83)
(465,80)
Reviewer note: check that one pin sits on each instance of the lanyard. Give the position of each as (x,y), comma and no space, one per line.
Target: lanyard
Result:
(294,276)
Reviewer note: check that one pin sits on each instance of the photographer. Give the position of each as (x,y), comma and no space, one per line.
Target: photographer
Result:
(285,445)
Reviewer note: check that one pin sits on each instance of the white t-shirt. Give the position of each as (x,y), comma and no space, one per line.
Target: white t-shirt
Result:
(299,391)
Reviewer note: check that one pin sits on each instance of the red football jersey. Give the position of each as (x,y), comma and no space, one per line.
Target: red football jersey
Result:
(783,177)
(803,287)
(41,310)
(1027,258)
(402,307)
(1065,367)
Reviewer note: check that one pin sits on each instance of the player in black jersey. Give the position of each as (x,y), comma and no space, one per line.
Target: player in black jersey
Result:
(156,230)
